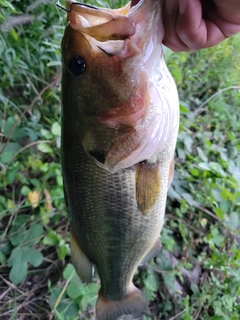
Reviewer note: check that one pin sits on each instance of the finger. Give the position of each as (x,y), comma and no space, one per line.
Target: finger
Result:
(170,10)
(194,31)
(225,17)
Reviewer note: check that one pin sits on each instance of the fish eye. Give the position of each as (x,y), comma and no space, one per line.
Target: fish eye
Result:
(77,65)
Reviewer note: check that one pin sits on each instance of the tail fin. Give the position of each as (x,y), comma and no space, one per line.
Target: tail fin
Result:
(134,303)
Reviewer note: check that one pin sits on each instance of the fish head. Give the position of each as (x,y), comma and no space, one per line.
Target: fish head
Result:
(102,52)
(95,67)
(108,57)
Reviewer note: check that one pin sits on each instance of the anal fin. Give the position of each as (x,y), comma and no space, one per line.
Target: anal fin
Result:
(81,263)
(152,252)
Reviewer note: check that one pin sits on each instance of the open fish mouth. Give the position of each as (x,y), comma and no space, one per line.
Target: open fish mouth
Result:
(100,23)
(105,29)
(108,29)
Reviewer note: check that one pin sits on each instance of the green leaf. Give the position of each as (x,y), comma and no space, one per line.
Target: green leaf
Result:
(202,155)
(204,166)
(62,252)
(35,257)
(65,308)
(90,296)
(18,229)
(194,172)
(9,151)
(34,234)
(54,297)
(217,168)
(60,316)
(169,282)
(11,174)
(188,197)
(7,4)
(56,129)
(235,217)
(75,289)
(44,215)
(25,190)
(19,259)
(44,147)
(28,237)
(69,272)
(46,134)
(2,258)
(51,239)
(6,157)
(54,63)
(220,213)
(151,281)
(25,133)
(183,109)
(10,123)
(14,34)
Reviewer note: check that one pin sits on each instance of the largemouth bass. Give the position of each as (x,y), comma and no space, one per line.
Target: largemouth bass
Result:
(120,120)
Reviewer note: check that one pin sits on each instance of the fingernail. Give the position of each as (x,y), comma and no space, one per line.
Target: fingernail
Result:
(183,6)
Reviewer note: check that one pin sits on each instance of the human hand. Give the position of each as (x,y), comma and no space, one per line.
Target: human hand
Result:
(196,24)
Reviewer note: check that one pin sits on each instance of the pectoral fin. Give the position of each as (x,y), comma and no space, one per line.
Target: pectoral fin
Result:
(147,186)
(81,263)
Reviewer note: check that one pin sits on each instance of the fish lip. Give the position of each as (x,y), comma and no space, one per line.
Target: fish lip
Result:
(101,24)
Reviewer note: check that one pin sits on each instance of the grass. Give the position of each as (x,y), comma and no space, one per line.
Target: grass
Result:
(197,275)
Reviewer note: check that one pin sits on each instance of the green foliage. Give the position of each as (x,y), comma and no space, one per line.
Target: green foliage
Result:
(75,297)
(22,239)
(206,184)
(19,259)
(197,275)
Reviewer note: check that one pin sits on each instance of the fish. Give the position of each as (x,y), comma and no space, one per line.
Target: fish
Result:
(120,119)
